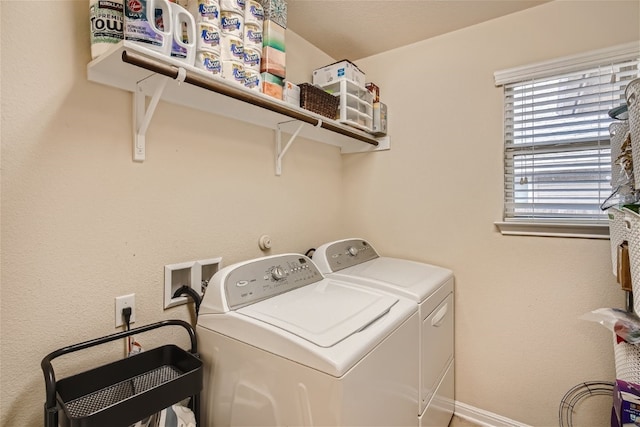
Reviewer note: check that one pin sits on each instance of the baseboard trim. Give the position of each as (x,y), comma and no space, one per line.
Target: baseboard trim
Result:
(484,418)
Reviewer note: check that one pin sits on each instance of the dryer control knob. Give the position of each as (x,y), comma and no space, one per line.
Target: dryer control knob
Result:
(278,273)
(352,250)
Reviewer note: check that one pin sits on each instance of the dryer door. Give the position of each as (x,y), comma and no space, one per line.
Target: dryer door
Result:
(436,347)
(323,313)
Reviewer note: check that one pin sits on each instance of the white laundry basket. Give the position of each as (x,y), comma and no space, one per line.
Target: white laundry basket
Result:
(632,94)
(627,359)
(632,224)
(617,234)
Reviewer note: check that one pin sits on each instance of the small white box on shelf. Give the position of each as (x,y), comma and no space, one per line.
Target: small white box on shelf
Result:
(339,71)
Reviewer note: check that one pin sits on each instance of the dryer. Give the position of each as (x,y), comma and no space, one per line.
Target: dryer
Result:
(283,345)
(431,288)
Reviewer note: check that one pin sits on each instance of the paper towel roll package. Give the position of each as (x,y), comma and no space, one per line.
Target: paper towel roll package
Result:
(106,19)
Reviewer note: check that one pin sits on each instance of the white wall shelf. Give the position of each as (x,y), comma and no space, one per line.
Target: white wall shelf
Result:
(147,73)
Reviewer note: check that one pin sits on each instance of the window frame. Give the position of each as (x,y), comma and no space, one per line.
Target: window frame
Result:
(592,59)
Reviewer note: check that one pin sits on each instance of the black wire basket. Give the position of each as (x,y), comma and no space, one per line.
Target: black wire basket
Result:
(125,391)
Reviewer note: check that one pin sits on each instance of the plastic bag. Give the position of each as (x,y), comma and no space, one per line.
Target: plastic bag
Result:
(624,324)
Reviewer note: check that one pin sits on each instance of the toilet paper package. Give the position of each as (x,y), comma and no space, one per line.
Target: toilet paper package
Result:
(208,37)
(252,59)
(253,80)
(231,23)
(253,13)
(252,36)
(236,6)
(209,61)
(205,11)
(231,49)
(233,71)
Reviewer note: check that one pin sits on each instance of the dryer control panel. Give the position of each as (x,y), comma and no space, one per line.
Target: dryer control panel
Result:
(347,253)
(266,277)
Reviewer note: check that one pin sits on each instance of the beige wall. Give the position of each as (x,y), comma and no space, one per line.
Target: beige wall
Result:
(82,223)
(520,345)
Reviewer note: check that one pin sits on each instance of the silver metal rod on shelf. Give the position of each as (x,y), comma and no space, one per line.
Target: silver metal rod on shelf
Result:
(228,90)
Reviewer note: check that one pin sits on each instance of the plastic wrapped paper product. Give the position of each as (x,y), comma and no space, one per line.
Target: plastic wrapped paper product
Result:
(272,85)
(233,71)
(231,24)
(624,324)
(209,61)
(273,62)
(208,37)
(205,11)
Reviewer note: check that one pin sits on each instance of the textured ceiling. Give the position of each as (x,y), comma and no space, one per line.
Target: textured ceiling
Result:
(354,29)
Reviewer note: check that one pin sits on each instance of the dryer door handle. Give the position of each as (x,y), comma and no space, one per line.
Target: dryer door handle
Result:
(438,318)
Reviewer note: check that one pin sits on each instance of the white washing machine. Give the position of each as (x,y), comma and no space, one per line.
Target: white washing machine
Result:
(431,288)
(283,345)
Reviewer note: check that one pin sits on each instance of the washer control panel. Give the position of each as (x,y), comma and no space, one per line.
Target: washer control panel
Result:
(267,277)
(347,253)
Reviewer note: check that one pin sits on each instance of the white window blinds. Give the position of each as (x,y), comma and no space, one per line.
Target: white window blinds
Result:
(556,129)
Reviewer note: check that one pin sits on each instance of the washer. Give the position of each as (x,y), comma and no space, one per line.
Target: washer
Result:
(283,345)
(431,288)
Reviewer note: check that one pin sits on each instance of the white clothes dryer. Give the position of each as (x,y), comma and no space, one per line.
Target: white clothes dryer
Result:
(283,345)
(431,288)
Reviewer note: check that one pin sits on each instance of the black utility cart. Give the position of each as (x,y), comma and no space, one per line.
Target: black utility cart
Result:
(128,390)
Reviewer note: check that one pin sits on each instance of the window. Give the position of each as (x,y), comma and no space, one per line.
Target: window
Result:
(557,158)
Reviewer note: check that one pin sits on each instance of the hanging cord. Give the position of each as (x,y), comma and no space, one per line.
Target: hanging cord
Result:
(126,313)
(188,290)
(578,393)
(310,252)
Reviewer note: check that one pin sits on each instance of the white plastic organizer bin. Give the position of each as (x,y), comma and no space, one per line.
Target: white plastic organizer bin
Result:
(632,224)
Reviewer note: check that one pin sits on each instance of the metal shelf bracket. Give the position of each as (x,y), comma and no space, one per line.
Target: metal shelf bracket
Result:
(280,151)
(142,113)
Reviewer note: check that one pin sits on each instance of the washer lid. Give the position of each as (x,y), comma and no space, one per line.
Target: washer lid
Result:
(412,279)
(323,313)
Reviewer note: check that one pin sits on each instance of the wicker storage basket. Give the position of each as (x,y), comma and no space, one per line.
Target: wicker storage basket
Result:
(315,99)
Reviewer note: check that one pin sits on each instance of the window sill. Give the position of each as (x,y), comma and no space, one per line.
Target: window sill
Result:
(553,229)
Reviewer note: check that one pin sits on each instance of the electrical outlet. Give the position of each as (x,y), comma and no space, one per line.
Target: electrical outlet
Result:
(122,302)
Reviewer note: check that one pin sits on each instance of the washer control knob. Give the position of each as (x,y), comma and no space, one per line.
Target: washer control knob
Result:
(278,273)
(352,250)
